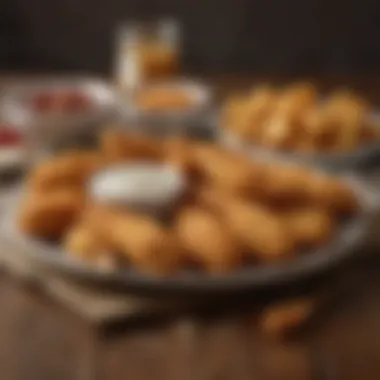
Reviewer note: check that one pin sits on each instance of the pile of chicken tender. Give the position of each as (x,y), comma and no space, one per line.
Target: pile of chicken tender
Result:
(235,212)
(298,119)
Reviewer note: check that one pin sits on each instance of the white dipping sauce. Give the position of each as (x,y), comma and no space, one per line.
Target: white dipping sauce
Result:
(144,186)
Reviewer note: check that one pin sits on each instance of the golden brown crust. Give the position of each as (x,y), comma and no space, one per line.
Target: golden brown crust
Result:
(295,119)
(234,210)
(143,241)
(71,169)
(208,240)
(310,227)
(49,215)
(261,231)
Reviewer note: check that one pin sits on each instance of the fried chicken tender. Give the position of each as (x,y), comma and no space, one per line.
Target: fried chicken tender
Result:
(261,102)
(179,153)
(331,193)
(347,114)
(300,185)
(285,183)
(229,171)
(350,130)
(118,146)
(321,130)
(234,115)
(71,169)
(341,99)
(258,108)
(286,125)
(141,240)
(310,227)
(296,99)
(50,214)
(262,232)
(207,240)
(281,131)
(83,242)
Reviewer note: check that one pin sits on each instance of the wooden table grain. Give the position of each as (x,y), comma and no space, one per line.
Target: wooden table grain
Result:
(41,340)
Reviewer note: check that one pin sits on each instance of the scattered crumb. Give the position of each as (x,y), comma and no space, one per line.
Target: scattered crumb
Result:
(282,319)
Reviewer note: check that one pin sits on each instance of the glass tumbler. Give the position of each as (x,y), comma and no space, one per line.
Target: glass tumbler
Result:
(146,52)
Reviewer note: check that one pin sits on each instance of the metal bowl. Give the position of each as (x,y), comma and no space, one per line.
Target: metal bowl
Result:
(305,266)
(362,158)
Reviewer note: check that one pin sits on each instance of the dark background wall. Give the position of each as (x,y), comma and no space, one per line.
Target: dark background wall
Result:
(303,36)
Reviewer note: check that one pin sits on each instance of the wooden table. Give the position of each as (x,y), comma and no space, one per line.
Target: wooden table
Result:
(41,340)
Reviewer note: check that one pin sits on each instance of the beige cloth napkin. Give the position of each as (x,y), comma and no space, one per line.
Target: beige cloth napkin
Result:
(95,305)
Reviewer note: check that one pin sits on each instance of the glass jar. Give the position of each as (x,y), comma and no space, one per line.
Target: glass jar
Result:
(146,52)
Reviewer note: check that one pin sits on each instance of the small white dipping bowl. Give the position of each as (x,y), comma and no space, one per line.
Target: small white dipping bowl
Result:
(143,186)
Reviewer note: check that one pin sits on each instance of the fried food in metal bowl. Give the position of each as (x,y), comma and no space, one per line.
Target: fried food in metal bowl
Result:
(341,128)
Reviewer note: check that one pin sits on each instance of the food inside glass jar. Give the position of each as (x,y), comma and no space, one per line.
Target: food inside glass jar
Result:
(164,99)
(158,60)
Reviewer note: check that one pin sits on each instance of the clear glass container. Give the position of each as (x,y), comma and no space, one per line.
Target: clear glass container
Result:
(45,125)
(146,52)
